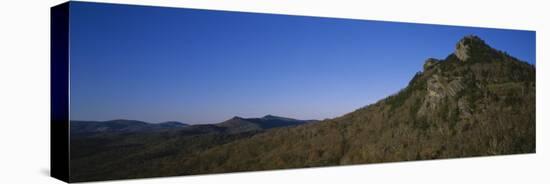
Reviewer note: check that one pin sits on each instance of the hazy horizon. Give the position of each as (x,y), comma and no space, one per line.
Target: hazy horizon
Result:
(188,123)
(198,66)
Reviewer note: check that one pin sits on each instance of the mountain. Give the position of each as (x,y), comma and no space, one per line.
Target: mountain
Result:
(120,125)
(89,128)
(172,124)
(271,121)
(238,124)
(231,126)
(477,101)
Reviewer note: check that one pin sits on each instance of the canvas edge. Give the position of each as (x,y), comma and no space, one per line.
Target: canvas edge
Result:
(59,92)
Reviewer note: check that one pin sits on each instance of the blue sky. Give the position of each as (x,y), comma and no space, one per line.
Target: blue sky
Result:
(195,66)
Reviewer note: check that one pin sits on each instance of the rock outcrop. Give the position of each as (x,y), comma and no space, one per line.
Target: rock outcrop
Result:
(438,88)
(429,63)
(465,46)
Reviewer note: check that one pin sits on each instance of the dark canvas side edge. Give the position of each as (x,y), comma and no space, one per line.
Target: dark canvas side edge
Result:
(59,92)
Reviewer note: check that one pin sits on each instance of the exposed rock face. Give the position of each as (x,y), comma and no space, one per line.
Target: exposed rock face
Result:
(465,45)
(429,63)
(462,51)
(439,85)
(438,88)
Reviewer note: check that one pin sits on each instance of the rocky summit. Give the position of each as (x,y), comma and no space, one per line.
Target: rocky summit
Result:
(466,44)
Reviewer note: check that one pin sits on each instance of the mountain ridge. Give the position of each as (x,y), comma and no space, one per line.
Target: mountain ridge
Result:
(234,125)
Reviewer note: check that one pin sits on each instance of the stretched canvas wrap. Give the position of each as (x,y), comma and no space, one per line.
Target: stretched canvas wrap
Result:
(140,91)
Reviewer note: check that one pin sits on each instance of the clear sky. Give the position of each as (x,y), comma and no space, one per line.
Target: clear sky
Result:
(196,66)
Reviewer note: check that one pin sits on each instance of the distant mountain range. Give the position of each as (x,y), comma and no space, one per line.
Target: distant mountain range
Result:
(478,101)
(238,124)
(231,126)
(79,128)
